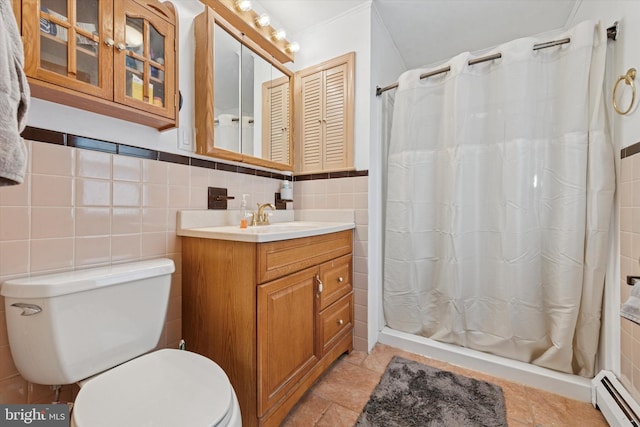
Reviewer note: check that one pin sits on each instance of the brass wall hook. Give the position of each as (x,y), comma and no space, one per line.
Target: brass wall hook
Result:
(628,79)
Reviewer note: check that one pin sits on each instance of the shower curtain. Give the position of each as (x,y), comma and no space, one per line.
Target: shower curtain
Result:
(500,183)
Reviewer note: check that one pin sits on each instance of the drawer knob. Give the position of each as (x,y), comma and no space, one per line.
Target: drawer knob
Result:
(340,322)
(340,279)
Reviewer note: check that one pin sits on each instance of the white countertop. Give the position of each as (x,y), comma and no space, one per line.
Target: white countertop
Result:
(267,233)
(211,225)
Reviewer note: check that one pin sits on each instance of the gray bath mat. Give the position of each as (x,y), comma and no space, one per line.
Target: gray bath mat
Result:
(412,394)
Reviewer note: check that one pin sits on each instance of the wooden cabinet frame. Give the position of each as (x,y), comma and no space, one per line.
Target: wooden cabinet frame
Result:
(102,98)
(204,96)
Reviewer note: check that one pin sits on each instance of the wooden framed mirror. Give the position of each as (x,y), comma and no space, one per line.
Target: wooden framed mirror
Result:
(244,98)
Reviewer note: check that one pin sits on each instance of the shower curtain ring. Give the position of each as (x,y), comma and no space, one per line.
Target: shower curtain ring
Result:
(628,80)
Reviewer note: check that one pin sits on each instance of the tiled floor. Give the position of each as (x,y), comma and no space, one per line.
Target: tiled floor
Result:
(338,397)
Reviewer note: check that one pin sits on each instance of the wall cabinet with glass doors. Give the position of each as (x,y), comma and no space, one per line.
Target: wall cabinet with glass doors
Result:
(116,58)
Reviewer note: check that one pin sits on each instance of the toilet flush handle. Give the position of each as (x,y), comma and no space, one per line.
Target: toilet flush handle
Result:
(27,309)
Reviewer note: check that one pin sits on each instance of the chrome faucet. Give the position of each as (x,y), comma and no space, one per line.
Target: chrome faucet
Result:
(261,217)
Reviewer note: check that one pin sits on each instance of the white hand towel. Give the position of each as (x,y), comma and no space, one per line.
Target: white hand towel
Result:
(14,99)
(631,308)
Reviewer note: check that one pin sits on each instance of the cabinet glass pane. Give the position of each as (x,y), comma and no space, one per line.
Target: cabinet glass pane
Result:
(135,79)
(54,30)
(87,38)
(226,90)
(157,45)
(247,106)
(156,53)
(134,35)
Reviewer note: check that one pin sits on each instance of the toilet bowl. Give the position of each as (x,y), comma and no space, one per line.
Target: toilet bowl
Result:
(165,388)
(97,327)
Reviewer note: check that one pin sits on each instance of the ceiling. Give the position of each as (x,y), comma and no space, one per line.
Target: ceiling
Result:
(426,31)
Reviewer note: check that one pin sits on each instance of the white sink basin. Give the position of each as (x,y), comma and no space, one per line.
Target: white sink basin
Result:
(268,233)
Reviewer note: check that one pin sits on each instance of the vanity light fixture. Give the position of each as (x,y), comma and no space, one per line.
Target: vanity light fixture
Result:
(262,20)
(293,47)
(243,5)
(279,34)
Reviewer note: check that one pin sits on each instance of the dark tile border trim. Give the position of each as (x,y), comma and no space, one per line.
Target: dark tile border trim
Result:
(61,138)
(630,150)
(44,135)
(92,144)
(330,175)
(127,150)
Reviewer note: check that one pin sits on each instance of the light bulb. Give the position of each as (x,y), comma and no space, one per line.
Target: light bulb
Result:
(293,47)
(279,34)
(243,5)
(262,20)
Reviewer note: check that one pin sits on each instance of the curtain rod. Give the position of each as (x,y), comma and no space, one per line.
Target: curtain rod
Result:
(612,33)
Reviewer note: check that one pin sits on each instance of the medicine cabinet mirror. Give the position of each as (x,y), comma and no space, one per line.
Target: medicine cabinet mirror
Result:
(243,97)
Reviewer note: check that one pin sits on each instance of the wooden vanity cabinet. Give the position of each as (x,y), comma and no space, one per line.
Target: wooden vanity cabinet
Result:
(273,315)
(112,57)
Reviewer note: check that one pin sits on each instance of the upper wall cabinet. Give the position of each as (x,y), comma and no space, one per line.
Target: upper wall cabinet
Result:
(243,106)
(116,58)
(324,116)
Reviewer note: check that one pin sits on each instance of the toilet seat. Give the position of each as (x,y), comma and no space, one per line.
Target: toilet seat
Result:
(165,388)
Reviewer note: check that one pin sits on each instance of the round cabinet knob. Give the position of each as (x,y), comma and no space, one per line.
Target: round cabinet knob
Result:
(340,279)
(121,47)
(109,42)
(340,322)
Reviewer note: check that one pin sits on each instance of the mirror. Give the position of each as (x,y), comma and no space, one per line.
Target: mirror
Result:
(226,89)
(243,113)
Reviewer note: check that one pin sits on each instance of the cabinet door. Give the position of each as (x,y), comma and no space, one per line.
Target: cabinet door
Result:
(311,115)
(286,342)
(144,58)
(275,123)
(335,118)
(68,43)
(324,116)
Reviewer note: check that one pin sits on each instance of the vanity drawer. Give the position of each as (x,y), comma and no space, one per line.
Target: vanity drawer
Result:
(336,280)
(334,321)
(277,259)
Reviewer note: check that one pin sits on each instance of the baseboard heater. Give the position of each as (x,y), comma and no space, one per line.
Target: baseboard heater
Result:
(614,401)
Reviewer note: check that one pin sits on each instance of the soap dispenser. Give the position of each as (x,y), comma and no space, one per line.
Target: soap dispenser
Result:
(243,211)
(286,191)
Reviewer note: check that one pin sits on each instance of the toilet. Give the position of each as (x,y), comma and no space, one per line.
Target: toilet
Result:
(98,327)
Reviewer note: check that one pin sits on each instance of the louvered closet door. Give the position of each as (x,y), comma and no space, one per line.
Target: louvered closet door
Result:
(279,97)
(311,125)
(335,118)
(324,116)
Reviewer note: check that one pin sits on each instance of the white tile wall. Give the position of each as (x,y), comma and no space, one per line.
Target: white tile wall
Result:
(345,193)
(80,208)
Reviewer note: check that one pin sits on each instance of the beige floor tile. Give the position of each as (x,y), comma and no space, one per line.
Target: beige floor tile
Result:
(552,410)
(379,358)
(339,395)
(338,416)
(307,412)
(355,357)
(348,385)
(516,401)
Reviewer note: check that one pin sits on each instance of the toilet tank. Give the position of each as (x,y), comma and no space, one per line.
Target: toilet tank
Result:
(69,326)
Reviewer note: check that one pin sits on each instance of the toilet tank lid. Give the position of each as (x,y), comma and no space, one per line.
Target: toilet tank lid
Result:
(51,285)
